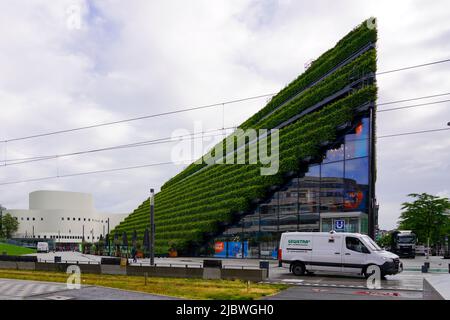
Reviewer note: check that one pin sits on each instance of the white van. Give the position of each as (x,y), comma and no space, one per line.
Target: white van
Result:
(334,252)
(42,247)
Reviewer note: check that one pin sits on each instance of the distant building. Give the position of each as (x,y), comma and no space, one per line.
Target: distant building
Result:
(63,217)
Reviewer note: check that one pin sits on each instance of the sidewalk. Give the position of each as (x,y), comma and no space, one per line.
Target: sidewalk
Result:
(437,264)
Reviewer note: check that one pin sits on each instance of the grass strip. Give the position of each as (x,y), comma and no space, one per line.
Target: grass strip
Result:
(197,289)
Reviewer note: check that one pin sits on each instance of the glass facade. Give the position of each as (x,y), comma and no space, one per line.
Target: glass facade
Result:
(335,189)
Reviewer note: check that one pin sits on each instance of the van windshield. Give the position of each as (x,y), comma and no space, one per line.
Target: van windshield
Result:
(371,244)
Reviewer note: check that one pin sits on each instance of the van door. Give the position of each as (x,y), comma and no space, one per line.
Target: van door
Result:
(326,253)
(355,255)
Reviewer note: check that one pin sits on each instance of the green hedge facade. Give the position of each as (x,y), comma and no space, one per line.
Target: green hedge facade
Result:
(198,202)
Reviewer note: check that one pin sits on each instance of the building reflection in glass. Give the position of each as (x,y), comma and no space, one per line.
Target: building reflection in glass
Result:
(337,188)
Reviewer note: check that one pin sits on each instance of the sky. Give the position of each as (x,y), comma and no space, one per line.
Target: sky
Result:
(71,63)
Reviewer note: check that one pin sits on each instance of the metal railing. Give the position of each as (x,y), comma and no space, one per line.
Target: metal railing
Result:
(70,261)
(147,264)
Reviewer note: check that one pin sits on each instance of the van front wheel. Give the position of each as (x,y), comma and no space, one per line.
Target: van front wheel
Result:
(298,269)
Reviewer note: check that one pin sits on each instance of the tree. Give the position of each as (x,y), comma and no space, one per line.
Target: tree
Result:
(385,240)
(426,217)
(9,225)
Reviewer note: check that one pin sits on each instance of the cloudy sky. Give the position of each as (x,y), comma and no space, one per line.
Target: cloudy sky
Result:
(124,59)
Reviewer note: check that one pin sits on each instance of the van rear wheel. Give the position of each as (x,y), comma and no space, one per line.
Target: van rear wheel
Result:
(298,269)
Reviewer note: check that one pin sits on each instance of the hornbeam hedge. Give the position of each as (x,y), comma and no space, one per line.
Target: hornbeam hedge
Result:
(199,202)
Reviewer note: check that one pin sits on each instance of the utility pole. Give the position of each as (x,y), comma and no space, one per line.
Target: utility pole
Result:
(1,217)
(152,227)
(109,240)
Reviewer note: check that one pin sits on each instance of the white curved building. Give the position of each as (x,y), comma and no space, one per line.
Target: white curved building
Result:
(64,217)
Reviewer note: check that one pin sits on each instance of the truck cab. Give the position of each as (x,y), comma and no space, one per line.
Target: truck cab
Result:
(348,253)
(404,243)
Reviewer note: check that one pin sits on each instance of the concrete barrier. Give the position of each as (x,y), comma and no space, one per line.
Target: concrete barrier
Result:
(90,268)
(26,265)
(255,275)
(8,265)
(171,272)
(111,269)
(212,273)
(62,267)
(17,265)
(437,287)
(50,267)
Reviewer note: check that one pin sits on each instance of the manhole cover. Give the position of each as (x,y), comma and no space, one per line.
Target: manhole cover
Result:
(59,298)
(375,293)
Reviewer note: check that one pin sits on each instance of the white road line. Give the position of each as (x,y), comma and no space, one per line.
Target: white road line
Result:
(12,290)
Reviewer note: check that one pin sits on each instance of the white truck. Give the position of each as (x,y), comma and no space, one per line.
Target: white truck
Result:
(334,252)
(42,247)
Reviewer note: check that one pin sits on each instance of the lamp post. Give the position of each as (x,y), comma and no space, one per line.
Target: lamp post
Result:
(447,254)
(1,215)
(152,227)
(109,245)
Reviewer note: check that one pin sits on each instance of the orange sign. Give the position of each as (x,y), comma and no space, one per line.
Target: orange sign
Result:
(219,246)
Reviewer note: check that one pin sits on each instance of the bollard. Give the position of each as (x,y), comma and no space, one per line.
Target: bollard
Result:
(264,265)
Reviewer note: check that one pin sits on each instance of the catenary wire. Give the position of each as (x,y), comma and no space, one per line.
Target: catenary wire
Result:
(9,162)
(193,108)
(173,163)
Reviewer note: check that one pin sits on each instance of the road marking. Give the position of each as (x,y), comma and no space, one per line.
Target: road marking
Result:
(17,288)
(287,281)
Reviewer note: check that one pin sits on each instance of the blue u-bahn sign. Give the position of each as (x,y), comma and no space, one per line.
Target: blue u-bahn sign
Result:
(339,224)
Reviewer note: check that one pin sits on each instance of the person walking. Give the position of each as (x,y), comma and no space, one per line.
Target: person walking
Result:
(133,254)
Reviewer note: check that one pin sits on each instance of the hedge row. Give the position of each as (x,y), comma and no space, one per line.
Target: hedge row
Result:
(289,146)
(346,47)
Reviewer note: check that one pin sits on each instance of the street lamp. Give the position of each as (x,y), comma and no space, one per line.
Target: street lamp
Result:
(152,227)
(109,244)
